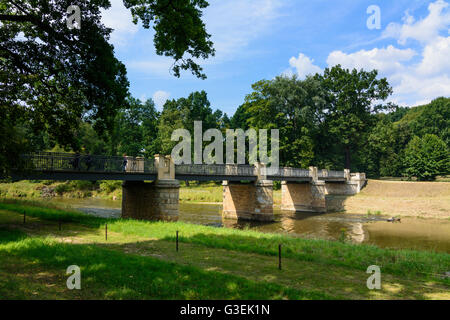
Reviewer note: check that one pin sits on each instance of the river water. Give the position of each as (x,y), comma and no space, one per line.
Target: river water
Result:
(411,233)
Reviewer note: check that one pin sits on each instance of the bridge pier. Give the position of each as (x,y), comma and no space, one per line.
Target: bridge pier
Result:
(153,201)
(337,193)
(252,201)
(303,196)
(150,201)
(318,195)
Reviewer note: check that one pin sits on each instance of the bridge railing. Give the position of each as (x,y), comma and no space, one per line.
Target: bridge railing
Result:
(286,172)
(69,162)
(331,174)
(215,170)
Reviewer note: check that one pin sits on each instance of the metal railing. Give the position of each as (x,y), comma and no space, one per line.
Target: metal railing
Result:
(215,170)
(70,162)
(287,172)
(331,174)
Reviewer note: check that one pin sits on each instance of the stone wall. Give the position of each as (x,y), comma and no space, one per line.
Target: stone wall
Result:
(151,201)
(303,197)
(248,201)
(320,196)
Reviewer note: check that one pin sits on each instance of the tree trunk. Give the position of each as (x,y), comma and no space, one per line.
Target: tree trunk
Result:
(347,157)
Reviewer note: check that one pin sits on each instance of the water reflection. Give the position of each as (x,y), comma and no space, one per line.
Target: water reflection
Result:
(419,234)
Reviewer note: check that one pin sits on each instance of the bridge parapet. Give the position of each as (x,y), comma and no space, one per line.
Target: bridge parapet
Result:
(214,171)
(165,167)
(70,162)
(69,166)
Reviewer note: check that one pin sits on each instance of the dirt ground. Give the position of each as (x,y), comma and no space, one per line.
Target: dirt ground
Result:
(401,198)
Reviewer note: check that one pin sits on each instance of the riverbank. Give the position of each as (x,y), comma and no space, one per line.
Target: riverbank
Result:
(402,199)
(389,198)
(34,257)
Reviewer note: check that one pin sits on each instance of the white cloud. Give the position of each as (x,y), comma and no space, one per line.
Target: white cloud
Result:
(304,66)
(425,30)
(119,18)
(385,60)
(436,57)
(417,76)
(160,97)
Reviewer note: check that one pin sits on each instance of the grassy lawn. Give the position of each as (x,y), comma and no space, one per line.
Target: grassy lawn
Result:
(34,257)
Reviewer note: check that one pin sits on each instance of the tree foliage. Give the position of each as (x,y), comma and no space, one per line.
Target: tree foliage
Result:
(427,157)
(352,97)
(294,107)
(54,78)
(135,132)
(179,30)
(181,114)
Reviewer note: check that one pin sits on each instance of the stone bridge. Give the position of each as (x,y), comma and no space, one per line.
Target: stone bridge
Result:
(247,190)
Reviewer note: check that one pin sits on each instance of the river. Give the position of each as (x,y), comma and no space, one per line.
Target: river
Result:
(411,233)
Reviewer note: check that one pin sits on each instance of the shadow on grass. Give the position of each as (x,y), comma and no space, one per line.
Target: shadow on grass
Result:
(313,278)
(108,274)
(10,235)
(405,263)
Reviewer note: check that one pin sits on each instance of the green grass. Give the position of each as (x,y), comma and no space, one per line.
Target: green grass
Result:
(210,192)
(354,256)
(139,261)
(108,274)
(35,189)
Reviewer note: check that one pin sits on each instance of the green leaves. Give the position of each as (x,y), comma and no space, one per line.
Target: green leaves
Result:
(427,157)
(352,97)
(135,131)
(54,78)
(294,107)
(182,113)
(59,75)
(179,30)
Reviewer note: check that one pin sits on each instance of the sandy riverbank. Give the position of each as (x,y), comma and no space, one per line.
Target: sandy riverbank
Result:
(401,198)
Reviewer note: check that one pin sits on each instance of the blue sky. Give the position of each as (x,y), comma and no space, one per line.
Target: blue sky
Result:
(260,39)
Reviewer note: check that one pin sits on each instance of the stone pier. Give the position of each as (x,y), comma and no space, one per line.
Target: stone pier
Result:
(248,201)
(153,201)
(337,193)
(303,196)
(318,195)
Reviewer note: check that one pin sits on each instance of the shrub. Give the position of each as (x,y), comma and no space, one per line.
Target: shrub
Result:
(110,186)
(62,188)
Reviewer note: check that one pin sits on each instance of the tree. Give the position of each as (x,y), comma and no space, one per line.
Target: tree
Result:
(182,113)
(294,107)
(433,118)
(135,132)
(240,118)
(427,157)
(379,155)
(53,76)
(351,105)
